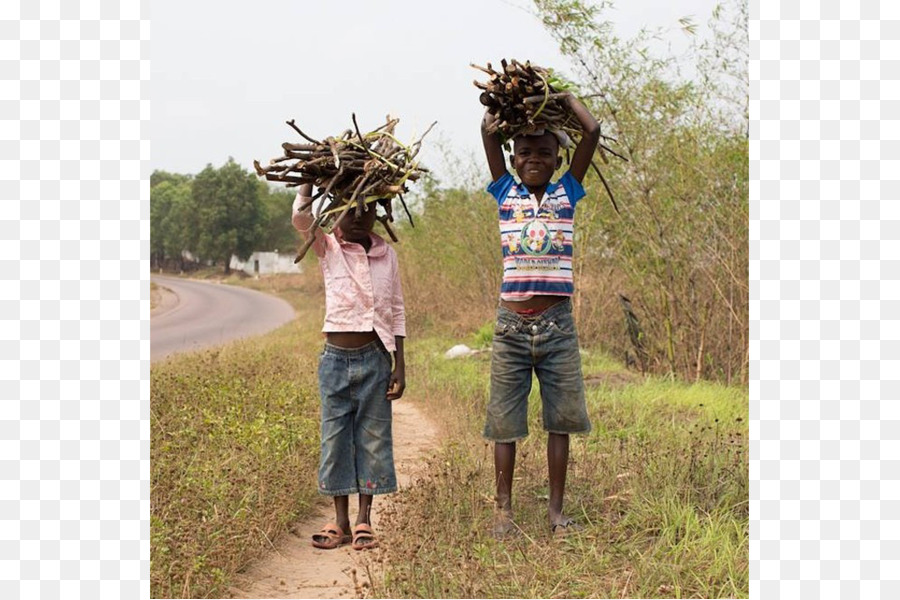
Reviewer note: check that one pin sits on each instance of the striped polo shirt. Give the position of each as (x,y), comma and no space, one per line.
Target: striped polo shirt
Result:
(536,238)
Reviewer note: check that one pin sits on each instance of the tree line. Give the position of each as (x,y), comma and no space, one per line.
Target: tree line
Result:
(219,213)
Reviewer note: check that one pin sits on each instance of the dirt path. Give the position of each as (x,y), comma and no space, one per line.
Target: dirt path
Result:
(297,570)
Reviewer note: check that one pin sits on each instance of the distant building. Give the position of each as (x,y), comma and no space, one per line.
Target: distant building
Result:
(266,263)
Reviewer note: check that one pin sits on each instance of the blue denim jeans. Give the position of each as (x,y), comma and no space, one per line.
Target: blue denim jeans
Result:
(357,452)
(547,345)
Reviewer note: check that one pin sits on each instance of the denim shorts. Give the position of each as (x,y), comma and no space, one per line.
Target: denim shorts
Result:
(357,452)
(546,344)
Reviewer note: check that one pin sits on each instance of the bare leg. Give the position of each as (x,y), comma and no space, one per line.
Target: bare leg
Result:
(326,540)
(365,509)
(363,536)
(558,465)
(504,465)
(341,515)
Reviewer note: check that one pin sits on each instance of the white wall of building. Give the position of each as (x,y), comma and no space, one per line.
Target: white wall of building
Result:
(266,263)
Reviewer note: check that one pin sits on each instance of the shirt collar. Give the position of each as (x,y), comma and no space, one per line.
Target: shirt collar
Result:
(522,189)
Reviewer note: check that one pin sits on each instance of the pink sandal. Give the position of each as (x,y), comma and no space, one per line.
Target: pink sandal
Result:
(363,537)
(330,537)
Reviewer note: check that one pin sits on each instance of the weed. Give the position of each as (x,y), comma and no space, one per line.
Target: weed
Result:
(660,485)
(234,447)
(485,335)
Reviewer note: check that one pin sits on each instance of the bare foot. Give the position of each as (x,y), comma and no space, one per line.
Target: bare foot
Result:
(504,527)
(563,526)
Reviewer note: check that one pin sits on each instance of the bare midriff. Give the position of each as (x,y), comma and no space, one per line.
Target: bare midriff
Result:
(535,303)
(351,339)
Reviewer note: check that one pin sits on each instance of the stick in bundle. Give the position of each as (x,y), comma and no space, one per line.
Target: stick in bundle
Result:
(350,170)
(526,98)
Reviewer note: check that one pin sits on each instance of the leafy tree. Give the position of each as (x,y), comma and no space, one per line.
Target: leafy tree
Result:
(173,222)
(230,212)
(278,233)
(160,204)
(158,177)
(181,224)
(679,248)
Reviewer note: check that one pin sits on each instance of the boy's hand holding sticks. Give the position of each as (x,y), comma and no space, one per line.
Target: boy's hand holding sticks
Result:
(522,99)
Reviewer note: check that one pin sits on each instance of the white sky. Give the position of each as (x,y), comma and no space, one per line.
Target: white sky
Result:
(225,76)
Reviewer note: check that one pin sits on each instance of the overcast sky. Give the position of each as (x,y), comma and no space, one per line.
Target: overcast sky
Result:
(227,75)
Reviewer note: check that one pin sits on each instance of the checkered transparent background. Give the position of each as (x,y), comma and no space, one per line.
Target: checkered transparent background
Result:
(75,341)
(824,299)
(74,292)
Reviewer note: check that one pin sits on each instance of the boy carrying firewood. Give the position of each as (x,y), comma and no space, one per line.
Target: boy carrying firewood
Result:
(364,325)
(535,330)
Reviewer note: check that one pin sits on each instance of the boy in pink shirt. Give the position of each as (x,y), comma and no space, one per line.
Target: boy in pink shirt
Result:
(364,324)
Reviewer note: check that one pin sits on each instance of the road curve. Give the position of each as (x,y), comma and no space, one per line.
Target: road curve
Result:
(208,314)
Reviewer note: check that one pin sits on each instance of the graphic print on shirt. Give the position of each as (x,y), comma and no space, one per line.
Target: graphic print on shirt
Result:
(512,242)
(536,237)
(518,214)
(558,240)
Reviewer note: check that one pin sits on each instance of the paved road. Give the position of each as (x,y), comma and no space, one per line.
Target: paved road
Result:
(208,314)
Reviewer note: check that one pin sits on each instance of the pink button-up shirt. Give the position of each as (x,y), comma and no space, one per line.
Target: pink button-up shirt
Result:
(362,291)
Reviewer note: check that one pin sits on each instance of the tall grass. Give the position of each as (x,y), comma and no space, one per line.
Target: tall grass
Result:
(451,262)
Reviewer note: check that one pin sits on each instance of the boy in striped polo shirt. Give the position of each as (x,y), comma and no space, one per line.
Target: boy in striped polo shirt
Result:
(535,330)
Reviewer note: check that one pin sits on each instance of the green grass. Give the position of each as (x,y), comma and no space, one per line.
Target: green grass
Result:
(660,484)
(234,449)
(234,441)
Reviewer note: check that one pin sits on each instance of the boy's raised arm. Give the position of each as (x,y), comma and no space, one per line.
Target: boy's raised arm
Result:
(584,151)
(492,148)
(303,219)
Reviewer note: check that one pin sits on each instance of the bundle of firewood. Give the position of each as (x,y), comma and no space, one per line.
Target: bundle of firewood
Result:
(525,98)
(349,171)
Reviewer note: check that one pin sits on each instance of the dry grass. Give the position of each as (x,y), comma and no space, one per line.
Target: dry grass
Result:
(155,297)
(234,448)
(661,486)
